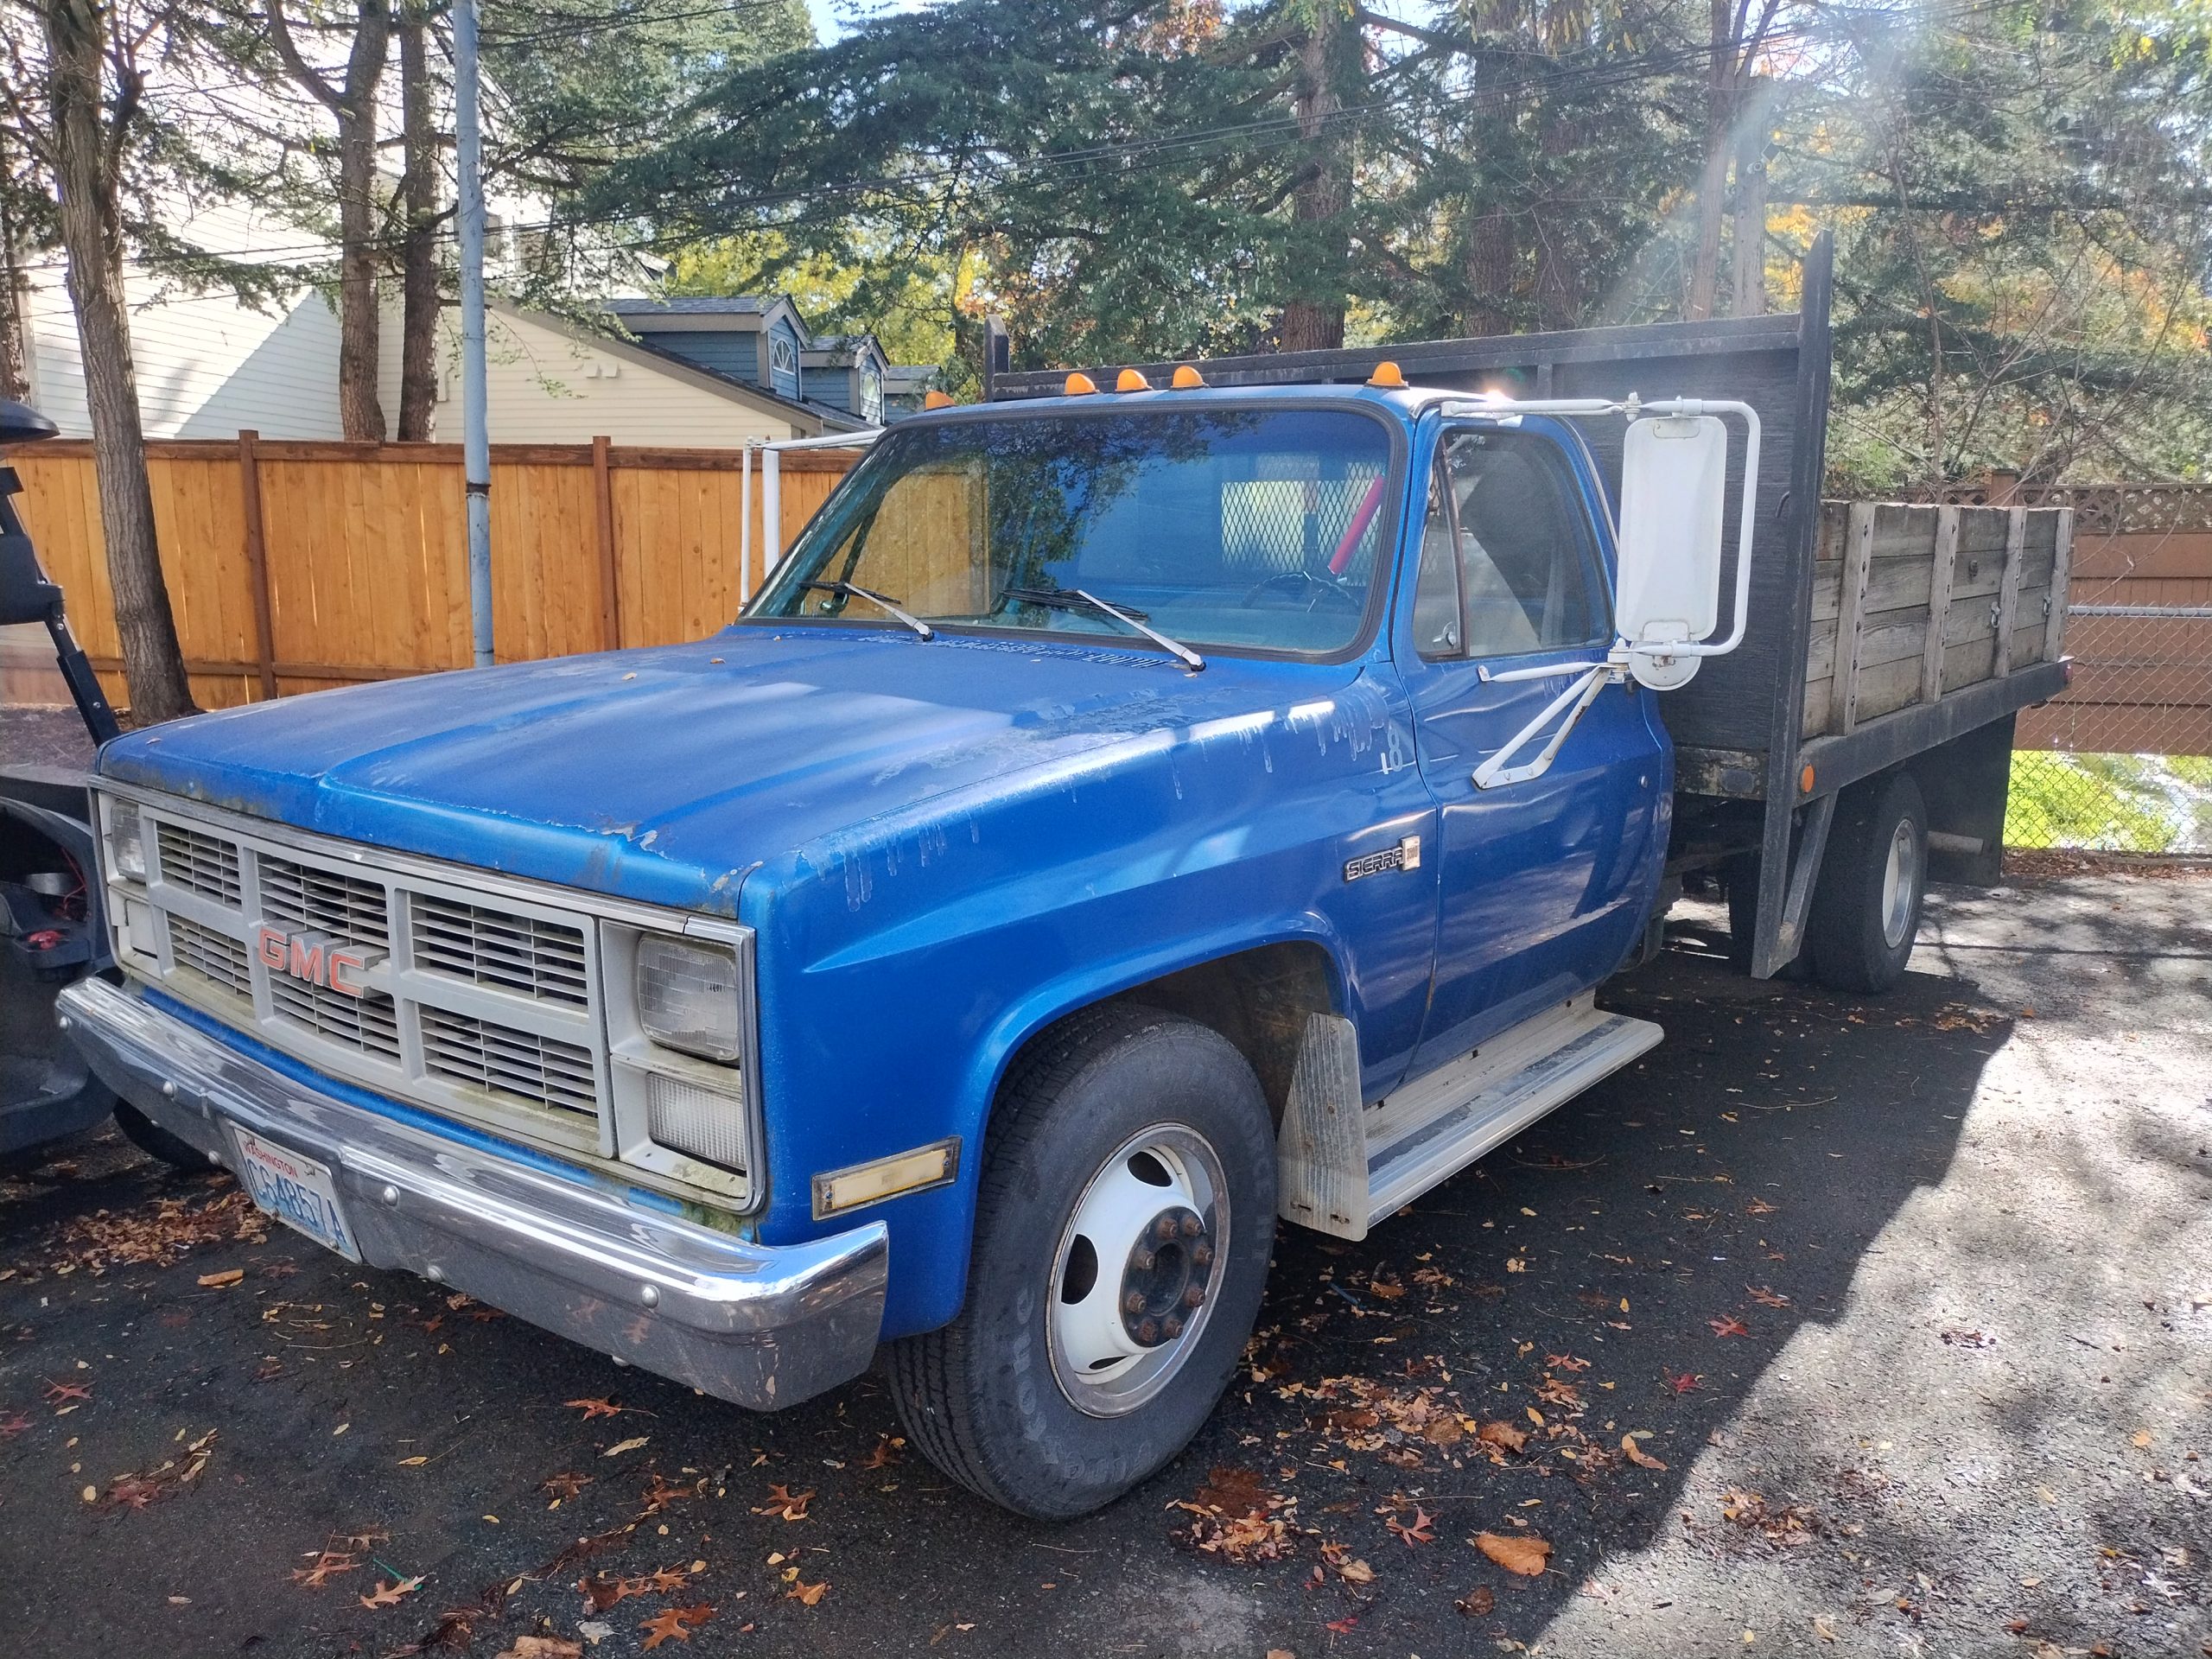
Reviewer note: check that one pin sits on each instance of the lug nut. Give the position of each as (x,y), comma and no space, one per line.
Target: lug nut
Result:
(1193,1227)
(1194,1295)
(1175,1327)
(1133,1303)
(1164,1228)
(1143,1261)
(1201,1254)
(1148,1332)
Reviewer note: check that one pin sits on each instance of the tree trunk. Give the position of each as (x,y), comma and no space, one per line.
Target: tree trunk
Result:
(358,411)
(1493,254)
(1315,321)
(14,312)
(418,248)
(353,104)
(1750,203)
(1713,180)
(88,159)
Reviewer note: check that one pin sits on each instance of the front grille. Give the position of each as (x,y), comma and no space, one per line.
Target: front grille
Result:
(528,954)
(543,1070)
(309,900)
(219,960)
(206,865)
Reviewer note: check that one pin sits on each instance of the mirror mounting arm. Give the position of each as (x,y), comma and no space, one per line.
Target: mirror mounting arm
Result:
(1567,708)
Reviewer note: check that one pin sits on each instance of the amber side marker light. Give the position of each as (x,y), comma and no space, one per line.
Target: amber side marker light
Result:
(1132,380)
(1079,384)
(856,1188)
(1386,374)
(1805,781)
(937,400)
(1186,377)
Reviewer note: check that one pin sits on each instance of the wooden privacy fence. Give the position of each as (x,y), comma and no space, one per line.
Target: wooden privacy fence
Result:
(296,566)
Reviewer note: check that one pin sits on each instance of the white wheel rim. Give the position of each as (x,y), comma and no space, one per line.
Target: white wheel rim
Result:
(1151,1223)
(1900,877)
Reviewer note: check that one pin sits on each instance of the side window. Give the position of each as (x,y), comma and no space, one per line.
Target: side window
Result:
(1528,568)
(1436,589)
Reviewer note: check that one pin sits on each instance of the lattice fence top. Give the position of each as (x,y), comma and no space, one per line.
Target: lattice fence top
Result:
(2101,509)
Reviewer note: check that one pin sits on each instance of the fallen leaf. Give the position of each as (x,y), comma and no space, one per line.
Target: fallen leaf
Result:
(388,1595)
(1416,1533)
(1343,1626)
(1684,1383)
(541,1647)
(58,1392)
(1637,1455)
(592,1409)
(1480,1602)
(620,1446)
(886,1453)
(1524,1556)
(564,1485)
(412,1462)
(1731,1326)
(2140,1438)
(1767,1296)
(807,1595)
(676,1624)
(785,1503)
(217,1281)
(1502,1434)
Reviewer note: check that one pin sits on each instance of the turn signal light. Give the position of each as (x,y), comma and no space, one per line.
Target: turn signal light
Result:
(1079,383)
(1805,781)
(1187,377)
(1132,380)
(1386,373)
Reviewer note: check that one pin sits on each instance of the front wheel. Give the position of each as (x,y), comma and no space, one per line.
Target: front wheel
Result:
(1866,907)
(1123,1226)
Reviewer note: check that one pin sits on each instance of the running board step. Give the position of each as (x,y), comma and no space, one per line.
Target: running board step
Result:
(1342,1169)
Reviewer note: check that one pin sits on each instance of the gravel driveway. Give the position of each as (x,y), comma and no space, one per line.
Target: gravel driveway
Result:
(1906,1303)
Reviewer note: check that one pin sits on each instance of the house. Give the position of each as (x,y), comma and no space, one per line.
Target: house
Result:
(905,386)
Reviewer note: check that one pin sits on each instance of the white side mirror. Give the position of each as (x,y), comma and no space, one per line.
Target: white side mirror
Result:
(1674,484)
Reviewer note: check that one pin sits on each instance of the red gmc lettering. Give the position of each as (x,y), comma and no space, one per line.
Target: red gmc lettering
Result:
(271,945)
(307,961)
(347,965)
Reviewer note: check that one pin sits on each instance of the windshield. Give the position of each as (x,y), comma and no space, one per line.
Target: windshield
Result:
(1233,527)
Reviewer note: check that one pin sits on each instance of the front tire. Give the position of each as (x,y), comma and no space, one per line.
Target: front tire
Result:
(152,1138)
(1123,1226)
(1873,882)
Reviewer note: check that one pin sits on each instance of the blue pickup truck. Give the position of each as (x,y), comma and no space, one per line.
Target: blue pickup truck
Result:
(1125,818)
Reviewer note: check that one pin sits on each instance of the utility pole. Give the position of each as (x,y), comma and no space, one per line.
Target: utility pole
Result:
(476,441)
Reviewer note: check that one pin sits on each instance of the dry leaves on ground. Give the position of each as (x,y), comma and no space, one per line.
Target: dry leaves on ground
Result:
(136,1491)
(1239,1519)
(1522,1555)
(541,1647)
(1637,1455)
(676,1624)
(1788,1524)
(156,1237)
(592,1409)
(389,1595)
(783,1502)
(1480,1602)
(1730,1326)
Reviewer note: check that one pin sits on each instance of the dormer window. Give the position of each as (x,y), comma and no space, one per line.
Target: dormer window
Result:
(871,409)
(783,364)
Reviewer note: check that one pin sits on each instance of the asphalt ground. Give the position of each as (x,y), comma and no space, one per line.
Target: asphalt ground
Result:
(1908,1302)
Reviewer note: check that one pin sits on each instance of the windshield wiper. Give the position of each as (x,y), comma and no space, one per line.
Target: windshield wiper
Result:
(1066,599)
(859,591)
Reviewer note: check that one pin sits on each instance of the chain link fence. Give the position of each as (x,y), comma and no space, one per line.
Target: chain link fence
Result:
(2123,762)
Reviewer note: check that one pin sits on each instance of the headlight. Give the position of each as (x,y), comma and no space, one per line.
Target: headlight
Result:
(688,996)
(126,840)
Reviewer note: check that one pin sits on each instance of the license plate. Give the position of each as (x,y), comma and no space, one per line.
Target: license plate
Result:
(297,1191)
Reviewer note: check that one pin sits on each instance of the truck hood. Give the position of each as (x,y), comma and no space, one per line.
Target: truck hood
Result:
(665,774)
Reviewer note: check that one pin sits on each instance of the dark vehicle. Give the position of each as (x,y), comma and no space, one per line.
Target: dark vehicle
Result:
(50,913)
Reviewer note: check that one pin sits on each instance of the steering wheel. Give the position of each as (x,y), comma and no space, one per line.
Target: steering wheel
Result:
(1304,579)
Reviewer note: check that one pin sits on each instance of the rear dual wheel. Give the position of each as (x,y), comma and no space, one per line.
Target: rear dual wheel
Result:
(1123,1226)
(1873,882)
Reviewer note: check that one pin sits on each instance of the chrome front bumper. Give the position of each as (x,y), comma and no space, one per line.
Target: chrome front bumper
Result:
(755,1325)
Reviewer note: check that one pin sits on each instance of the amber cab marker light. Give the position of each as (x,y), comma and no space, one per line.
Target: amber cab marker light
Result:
(1805,781)
(934,399)
(1079,383)
(1185,377)
(1131,380)
(1386,374)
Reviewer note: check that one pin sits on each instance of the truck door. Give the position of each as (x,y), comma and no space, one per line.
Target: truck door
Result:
(1544,883)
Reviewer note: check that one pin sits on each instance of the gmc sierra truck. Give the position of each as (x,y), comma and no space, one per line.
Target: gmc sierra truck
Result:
(1129,816)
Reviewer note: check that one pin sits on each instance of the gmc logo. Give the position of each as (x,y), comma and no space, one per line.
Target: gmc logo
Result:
(316,957)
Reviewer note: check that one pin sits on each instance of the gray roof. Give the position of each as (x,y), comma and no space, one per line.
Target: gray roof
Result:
(696,305)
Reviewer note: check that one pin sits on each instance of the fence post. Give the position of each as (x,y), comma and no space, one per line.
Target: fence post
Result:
(610,585)
(257,560)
